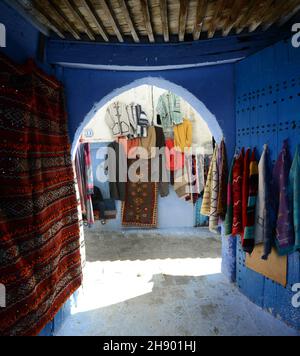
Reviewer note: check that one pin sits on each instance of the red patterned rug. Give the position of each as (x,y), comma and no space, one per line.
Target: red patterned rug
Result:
(140,206)
(40,263)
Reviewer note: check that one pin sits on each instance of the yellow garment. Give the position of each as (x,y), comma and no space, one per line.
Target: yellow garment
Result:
(183,135)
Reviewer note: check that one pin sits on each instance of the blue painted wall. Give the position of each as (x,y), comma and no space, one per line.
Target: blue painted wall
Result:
(268,111)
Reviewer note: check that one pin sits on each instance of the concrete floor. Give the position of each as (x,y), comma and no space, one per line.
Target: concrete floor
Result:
(162,283)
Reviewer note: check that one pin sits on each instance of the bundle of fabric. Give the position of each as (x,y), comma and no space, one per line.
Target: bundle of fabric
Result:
(285,239)
(85,181)
(237,194)
(39,228)
(294,188)
(229,213)
(140,206)
(223,178)
(264,214)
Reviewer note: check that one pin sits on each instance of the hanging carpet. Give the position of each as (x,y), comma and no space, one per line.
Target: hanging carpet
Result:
(140,206)
(39,231)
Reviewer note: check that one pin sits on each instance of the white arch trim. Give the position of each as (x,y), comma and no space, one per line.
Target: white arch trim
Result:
(161,83)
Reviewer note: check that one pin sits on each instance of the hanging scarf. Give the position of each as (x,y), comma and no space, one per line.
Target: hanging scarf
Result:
(223,178)
(246,179)
(89,183)
(284,229)
(264,215)
(295,196)
(200,219)
(237,187)
(229,213)
(248,241)
(211,193)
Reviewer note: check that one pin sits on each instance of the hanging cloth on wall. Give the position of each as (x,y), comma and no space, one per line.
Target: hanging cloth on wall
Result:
(174,160)
(162,177)
(39,228)
(294,188)
(183,135)
(89,183)
(223,179)
(201,220)
(141,200)
(285,239)
(248,242)
(168,107)
(229,213)
(211,193)
(245,191)
(148,145)
(264,215)
(237,193)
(119,121)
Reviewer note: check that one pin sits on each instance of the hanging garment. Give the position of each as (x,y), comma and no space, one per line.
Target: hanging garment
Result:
(80,176)
(159,163)
(174,160)
(100,162)
(138,120)
(89,183)
(39,228)
(211,193)
(229,213)
(181,183)
(130,146)
(237,193)
(117,171)
(183,136)
(264,215)
(169,109)
(245,191)
(223,179)
(248,242)
(201,220)
(118,120)
(200,162)
(194,190)
(98,204)
(148,145)
(140,206)
(294,188)
(285,239)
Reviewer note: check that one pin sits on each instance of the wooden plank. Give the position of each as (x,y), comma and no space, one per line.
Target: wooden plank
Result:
(261,16)
(147,19)
(294,9)
(214,22)
(112,20)
(279,12)
(164,19)
(40,11)
(127,15)
(95,18)
(252,8)
(200,18)
(183,13)
(235,17)
(69,4)
(61,17)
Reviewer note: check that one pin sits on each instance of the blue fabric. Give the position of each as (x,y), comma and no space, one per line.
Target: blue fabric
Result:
(201,220)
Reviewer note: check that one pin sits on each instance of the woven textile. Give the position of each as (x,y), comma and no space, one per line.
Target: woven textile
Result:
(285,239)
(39,230)
(223,179)
(229,214)
(140,206)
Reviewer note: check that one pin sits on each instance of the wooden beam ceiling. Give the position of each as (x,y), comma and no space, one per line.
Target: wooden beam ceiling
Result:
(143,20)
(164,19)
(200,18)
(127,15)
(147,19)
(183,13)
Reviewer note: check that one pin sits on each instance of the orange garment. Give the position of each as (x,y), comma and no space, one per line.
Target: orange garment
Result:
(183,135)
(174,159)
(130,146)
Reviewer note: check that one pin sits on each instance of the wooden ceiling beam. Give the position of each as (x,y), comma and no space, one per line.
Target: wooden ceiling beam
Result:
(235,17)
(95,18)
(294,9)
(61,17)
(147,19)
(164,19)
(243,22)
(184,8)
(41,12)
(281,11)
(261,16)
(214,21)
(200,18)
(112,20)
(124,7)
(69,4)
